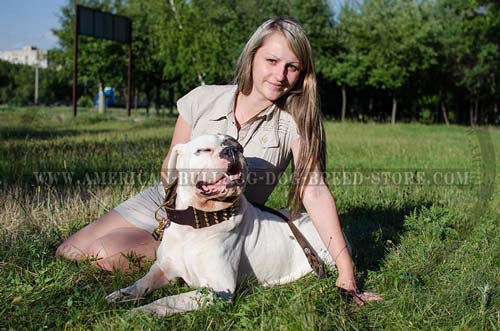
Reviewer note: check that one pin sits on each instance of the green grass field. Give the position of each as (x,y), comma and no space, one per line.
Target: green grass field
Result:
(420,205)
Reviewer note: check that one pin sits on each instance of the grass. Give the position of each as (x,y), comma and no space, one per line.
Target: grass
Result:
(431,250)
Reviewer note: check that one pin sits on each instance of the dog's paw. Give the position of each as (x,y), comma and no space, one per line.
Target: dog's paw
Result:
(130,293)
(126,294)
(151,310)
(116,296)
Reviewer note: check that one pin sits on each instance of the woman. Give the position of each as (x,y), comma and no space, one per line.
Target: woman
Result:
(273,112)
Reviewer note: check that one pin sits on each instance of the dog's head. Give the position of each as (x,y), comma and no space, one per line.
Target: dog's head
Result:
(211,171)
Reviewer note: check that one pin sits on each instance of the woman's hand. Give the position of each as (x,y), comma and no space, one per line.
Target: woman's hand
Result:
(346,282)
(348,290)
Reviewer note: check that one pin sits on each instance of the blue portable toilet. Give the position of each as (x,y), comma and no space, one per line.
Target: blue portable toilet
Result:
(109,97)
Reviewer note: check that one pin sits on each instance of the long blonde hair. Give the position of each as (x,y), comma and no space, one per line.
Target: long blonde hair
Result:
(301,101)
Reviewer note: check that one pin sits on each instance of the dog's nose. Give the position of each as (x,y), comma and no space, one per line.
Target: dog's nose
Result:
(230,141)
(229,153)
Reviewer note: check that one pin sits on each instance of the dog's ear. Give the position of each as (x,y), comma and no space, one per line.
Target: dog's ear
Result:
(172,172)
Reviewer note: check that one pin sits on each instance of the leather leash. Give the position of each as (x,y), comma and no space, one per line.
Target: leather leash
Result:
(311,255)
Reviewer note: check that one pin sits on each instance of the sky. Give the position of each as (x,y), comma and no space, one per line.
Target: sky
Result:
(29,22)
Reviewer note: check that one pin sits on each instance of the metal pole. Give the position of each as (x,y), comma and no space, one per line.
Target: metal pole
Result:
(75,58)
(129,81)
(36,83)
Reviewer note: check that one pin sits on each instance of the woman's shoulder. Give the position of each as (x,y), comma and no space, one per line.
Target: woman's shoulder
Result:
(210,91)
(203,100)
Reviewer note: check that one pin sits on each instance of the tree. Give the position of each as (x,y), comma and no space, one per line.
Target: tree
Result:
(348,66)
(432,55)
(396,41)
(6,82)
(474,49)
(213,33)
(150,18)
(317,18)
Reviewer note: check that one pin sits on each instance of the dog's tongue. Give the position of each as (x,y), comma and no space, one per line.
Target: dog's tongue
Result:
(218,186)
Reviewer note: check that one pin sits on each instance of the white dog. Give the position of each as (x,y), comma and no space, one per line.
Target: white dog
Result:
(244,242)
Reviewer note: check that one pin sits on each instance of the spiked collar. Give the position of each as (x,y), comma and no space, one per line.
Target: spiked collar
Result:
(192,217)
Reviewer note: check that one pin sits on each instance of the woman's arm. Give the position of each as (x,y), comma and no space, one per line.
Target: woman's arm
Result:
(320,205)
(182,134)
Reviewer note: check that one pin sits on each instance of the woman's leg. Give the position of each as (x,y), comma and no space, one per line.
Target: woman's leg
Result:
(120,247)
(76,246)
(106,239)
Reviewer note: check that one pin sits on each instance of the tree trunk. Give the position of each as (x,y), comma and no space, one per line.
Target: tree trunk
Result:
(157,100)
(200,78)
(172,100)
(136,97)
(370,106)
(174,9)
(495,112)
(442,105)
(124,91)
(344,103)
(471,115)
(394,109)
(476,109)
(444,111)
(101,101)
(148,102)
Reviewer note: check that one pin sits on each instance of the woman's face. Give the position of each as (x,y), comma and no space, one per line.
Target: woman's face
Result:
(275,69)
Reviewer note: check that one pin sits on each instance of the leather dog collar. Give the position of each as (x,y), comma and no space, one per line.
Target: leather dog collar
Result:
(192,217)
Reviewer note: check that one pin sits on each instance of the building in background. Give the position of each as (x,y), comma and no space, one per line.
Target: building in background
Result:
(29,55)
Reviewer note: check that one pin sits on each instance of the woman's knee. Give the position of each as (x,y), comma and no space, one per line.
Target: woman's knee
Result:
(77,246)
(70,251)
(100,257)
(94,251)
(121,247)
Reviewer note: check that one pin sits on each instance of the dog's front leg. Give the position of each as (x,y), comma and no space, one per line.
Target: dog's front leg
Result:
(154,279)
(179,303)
(222,285)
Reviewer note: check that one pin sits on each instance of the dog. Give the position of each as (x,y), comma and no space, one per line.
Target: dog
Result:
(249,245)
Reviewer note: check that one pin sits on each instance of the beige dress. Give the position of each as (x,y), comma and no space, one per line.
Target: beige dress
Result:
(267,140)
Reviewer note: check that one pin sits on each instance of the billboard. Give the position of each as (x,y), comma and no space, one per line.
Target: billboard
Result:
(98,24)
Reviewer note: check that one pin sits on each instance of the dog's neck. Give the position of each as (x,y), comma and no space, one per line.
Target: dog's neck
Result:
(186,197)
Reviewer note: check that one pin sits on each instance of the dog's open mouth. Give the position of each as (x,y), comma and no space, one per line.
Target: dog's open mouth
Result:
(222,184)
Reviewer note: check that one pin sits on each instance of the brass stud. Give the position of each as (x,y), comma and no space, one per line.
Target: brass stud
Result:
(207,222)
(216,217)
(196,220)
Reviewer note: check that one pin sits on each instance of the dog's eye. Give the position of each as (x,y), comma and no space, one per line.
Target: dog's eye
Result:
(203,150)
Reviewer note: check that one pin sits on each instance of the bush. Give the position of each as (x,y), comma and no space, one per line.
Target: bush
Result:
(426,116)
(85,101)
